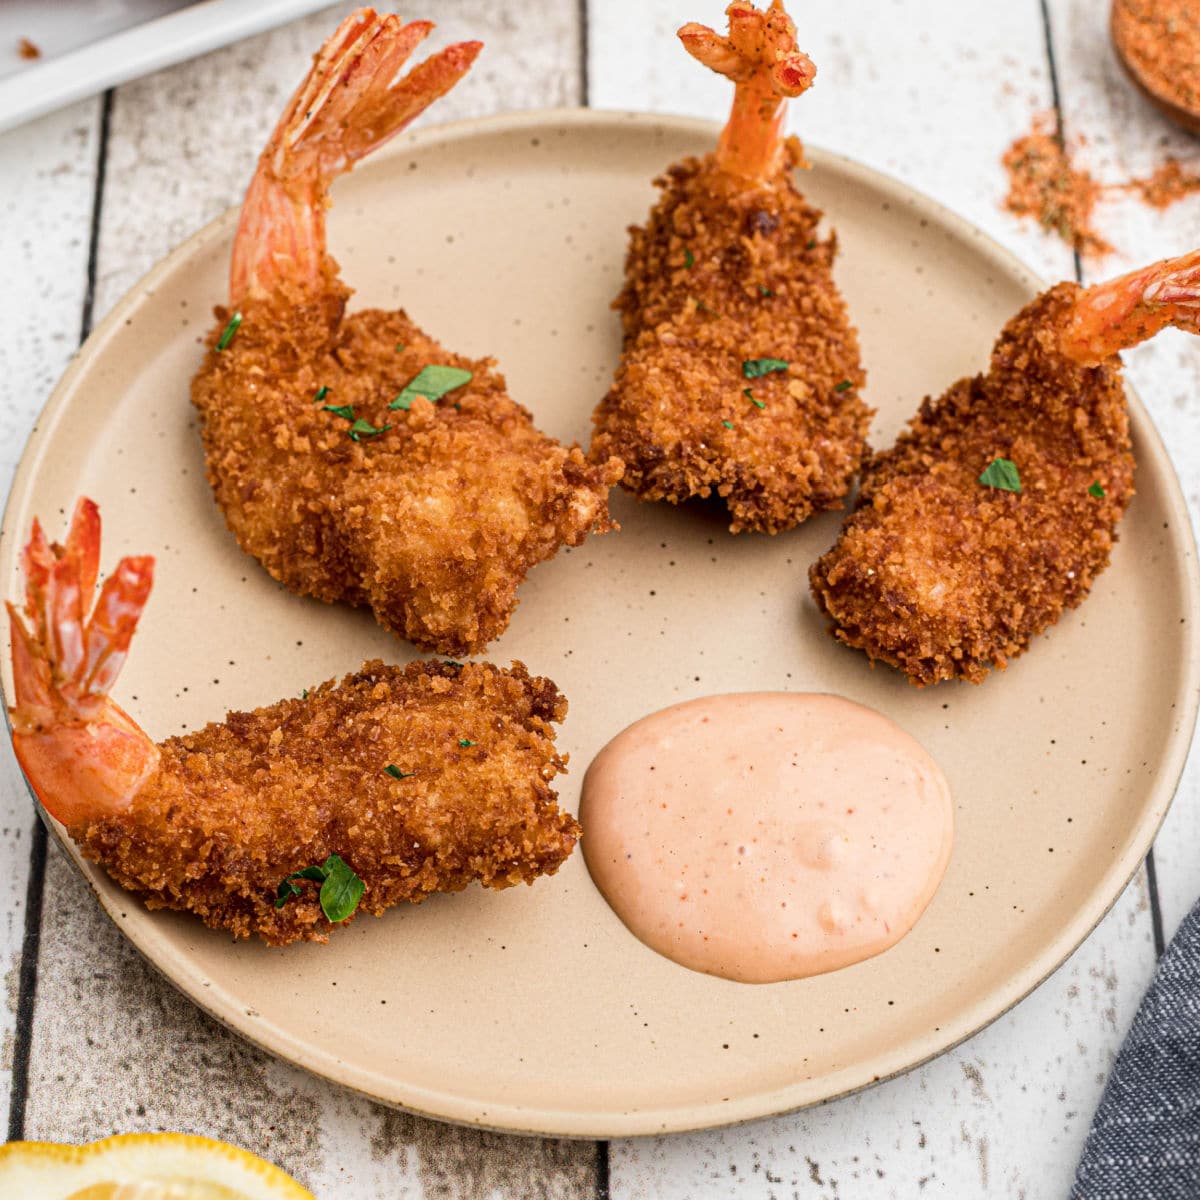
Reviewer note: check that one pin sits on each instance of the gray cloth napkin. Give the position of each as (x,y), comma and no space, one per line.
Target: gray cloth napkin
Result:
(1144,1142)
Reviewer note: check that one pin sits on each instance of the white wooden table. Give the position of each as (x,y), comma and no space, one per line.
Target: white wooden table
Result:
(92,196)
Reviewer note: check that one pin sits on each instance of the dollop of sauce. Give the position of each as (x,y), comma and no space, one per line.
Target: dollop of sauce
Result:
(766,835)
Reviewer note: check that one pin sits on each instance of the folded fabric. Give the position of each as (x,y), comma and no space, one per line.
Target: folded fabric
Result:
(1144,1143)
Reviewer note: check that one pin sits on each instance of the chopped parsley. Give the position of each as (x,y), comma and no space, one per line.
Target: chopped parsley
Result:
(432,382)
(341,889)
(763,290)
(322,392)
(399,347)
(363,428)
(345,411)
(843,386)
(304,694)
(755,368)
(727,424)
(453,662)
(230,329)
(749,394)
(1096,490)
(812,244)
(689,259)
(465,743)
(395,772)
(1001,473)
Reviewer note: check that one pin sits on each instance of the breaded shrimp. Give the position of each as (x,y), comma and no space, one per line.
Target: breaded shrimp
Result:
(740,373)
(943,570)
(353,456)
(419,779)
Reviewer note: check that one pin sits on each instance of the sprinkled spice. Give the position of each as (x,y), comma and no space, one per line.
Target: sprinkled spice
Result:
(27,49)
(1170,182)
(1160,39)
(1043,184)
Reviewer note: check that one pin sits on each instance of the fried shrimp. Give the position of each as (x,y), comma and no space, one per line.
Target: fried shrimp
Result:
(419,779)
(353,456)
(953,560)
(740,374)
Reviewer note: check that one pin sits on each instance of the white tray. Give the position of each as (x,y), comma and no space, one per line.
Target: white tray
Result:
(86,47)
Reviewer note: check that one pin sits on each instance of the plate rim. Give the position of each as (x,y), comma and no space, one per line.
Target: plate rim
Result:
(715,1113)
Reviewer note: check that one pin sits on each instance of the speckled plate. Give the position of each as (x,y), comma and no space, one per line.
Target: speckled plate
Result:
(534,1010)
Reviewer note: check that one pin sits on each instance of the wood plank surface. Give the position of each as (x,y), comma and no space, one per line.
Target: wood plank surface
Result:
(47,181)
(933,98)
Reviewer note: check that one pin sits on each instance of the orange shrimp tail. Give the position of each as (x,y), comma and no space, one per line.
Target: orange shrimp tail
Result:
(81,752)
(1121,313)
(350,103)
(761,58)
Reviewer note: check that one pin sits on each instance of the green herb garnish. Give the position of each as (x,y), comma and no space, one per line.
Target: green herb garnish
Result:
(689,259)
(433,383)
(453,662)
(465,743)
(1096,490)
(1001,473)
(727,424)
(399,347)
(230,329)
(812,244)
(749,394)
(363,428)
(843,386)
(755,368)
(304,694)
(341,889)
(322,392)
(763,290)
(345,411)
(395,772)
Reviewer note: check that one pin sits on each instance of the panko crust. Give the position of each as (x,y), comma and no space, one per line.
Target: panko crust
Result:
(760,286)
(945,578)
(237,806)
(434,523)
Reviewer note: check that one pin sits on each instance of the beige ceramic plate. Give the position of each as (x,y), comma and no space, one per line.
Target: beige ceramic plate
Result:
(534,1009)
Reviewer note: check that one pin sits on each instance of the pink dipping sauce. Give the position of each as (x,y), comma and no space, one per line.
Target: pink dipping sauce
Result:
(766,835)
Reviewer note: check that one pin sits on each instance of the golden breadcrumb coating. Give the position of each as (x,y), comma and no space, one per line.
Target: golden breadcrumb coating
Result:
(432,523)
(237,806)
(944,577)
(759,286)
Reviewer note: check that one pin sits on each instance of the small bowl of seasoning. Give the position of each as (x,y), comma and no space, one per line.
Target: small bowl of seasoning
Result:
(1158,44)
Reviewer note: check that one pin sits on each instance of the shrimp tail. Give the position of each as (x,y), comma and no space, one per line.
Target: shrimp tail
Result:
(84,756)
(760,57)
(1122,312)
(351,102)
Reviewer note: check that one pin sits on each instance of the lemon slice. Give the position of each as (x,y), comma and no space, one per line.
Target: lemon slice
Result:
(142,1166)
